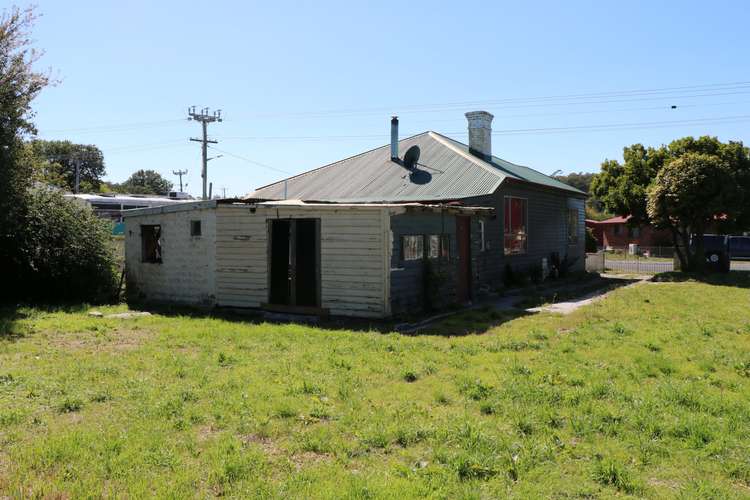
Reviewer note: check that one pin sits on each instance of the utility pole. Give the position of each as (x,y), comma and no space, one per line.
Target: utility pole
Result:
(180,173)
(204,118)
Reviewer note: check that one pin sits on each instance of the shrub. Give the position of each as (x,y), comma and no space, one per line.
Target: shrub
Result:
(592,244)
(65,252)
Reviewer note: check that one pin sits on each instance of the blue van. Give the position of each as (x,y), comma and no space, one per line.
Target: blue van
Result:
(739,247)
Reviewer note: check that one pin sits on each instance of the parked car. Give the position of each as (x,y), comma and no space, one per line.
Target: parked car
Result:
(716,250)
(739,247)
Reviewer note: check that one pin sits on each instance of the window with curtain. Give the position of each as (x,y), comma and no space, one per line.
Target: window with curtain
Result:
(515,228)
(412,247)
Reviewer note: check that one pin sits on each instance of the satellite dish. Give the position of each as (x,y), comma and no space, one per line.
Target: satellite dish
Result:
(411,157)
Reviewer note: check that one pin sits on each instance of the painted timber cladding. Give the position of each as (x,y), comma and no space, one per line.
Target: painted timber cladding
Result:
(354,268)
(186,273)
(547,221)
(408,285)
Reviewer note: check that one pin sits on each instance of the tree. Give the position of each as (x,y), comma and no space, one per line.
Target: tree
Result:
(145,182)
(49,247)
(582,181)
(638,188)
(690,193)
(59,167)
(19,85)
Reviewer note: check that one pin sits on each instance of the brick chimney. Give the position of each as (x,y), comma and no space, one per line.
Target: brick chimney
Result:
(480,134)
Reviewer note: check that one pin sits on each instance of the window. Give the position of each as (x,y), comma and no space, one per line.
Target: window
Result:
(482,243)
(617,229)
(633,232)
(572,226)
(514,226)
(195,228)
(445,246)
(433,250)
(151,244)
(412,247)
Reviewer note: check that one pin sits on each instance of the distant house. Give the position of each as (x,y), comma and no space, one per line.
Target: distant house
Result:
(618,233)
(421,223)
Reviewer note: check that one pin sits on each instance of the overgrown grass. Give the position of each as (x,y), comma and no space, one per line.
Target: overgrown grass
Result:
(642,394)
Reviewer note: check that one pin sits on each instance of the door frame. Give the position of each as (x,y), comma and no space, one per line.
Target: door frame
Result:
(292,240)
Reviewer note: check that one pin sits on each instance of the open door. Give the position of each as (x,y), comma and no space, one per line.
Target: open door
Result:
(294,263)
(463,240)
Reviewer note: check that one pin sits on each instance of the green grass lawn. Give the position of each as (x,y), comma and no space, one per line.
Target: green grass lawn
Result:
(646,393)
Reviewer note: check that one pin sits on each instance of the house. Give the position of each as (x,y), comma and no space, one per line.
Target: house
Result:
(618,233)
(421,223)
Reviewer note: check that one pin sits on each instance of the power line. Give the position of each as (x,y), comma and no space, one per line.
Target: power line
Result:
(249,160)
(632,125)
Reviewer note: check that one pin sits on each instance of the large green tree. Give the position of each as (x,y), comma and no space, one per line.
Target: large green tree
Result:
(50,248)
(145,182)
(61,159)
(19,85)
(649,186)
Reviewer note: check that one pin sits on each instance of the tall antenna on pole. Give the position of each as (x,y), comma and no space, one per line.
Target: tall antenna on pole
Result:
(180,173)
(204,118)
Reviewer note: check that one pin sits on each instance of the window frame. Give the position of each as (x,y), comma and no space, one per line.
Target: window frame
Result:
(506,251)
(573,215)
(196,223)
(482,240)
(158,257)
(420,242)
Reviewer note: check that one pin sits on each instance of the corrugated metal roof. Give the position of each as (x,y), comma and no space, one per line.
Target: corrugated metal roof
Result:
(445,171)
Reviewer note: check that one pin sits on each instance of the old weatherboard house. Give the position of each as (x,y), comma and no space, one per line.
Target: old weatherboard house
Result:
(421,223)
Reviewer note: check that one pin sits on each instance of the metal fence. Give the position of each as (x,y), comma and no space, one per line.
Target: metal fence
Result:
(635,260)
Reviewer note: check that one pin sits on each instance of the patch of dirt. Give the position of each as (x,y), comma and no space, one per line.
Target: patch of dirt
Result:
(115,340)
(299,459)
(664,483)
(205,432)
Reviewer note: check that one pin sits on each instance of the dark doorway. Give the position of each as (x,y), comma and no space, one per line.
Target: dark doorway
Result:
(294,262)
(463,240)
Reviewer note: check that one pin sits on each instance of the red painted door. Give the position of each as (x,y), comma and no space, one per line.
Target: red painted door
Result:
(463,241)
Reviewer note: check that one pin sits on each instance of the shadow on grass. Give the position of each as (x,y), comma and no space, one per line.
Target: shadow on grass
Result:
(12,314)
(470,322)
(739,279)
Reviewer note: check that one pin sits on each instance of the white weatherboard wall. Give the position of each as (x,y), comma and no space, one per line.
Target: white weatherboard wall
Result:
(354,256)
(186,273)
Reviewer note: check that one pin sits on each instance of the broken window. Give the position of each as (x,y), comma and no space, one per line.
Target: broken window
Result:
(195,228)
(572,226)
(412,247)
(514,226)
(151,243)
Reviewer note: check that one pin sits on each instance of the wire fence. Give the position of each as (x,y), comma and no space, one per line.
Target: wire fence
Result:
(635,259)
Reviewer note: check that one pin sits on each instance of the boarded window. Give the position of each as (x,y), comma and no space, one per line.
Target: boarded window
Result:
(572,226)
(151,243)
(195,228)
(515,227)
(412,247)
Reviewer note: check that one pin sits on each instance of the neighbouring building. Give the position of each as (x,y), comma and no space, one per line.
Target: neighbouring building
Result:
(421,223)
(618,233)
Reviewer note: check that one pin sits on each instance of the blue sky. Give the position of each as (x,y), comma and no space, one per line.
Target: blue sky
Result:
(302,84)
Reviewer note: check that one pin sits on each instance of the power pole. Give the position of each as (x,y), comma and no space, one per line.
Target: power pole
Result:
(204,118)
(180,173)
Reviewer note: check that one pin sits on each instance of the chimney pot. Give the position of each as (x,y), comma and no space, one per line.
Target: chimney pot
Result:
(394,138)
(480,134)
